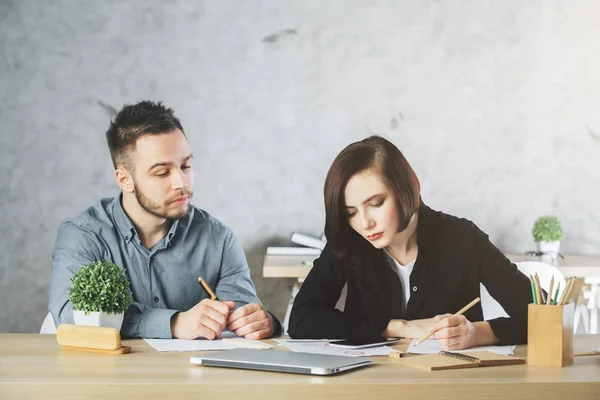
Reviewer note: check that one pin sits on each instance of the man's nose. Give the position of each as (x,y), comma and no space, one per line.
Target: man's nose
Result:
(179,180)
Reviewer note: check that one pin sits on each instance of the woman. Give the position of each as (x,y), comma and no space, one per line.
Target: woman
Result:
(407,267)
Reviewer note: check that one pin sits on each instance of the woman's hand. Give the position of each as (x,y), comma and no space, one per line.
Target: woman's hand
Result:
(456,332)
(414,329)
(453,332)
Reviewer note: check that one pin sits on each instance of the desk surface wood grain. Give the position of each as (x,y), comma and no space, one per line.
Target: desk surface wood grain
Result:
(35,366)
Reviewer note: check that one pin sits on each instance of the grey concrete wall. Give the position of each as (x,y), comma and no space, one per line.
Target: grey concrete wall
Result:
(495,103)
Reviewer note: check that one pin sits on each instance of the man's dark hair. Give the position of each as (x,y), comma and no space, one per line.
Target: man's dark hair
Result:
(382,157)
(134,121)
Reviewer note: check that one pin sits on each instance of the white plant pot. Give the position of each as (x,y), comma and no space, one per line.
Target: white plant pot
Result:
(549,247)
(98,319)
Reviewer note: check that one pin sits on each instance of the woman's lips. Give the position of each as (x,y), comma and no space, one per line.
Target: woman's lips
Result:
(375,236)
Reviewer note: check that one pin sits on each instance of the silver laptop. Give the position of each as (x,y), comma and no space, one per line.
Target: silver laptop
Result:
(281,361)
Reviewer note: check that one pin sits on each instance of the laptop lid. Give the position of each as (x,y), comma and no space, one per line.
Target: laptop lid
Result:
(281,361)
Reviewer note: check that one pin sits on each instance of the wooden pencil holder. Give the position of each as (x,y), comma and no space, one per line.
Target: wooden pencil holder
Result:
(550,335)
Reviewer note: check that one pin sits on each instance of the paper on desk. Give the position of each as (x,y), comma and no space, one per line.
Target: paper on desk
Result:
(433,347)
(232,342)
(307,340)
(322,347)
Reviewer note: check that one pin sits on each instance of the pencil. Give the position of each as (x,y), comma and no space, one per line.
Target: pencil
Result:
(549,301)
(538,289)
(533,289)
(569,290)
(564,293)
(207,288)
(460,312)
(556,294)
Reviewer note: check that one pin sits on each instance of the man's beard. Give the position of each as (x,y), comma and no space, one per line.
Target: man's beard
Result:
(160,211)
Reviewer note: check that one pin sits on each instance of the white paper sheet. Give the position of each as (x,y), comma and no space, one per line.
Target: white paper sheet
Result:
(322,347)
(232,342)
(433,347)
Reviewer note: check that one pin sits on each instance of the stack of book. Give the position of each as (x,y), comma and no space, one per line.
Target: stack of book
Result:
(308,246)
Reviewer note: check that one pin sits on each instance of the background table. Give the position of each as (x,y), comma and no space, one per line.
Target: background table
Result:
(588,267)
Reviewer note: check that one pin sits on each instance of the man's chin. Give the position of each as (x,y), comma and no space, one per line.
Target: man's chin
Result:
(179,214)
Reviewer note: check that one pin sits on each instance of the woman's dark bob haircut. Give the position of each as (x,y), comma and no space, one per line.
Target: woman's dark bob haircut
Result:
(381,157)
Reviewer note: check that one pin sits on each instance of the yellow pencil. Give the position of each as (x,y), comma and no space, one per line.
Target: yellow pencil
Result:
(549,301)
(460,312)
(209,291)
(569,290)
(538,288)
(564,293)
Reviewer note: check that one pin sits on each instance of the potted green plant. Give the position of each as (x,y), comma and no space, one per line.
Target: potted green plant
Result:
(100,294)
(547,233)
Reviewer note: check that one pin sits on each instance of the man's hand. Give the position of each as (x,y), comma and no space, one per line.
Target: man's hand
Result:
(206,319)
(251,321)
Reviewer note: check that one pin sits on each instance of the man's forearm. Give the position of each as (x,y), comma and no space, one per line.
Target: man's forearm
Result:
(145,322)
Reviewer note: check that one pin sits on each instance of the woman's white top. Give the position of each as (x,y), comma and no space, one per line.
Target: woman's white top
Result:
(403,272)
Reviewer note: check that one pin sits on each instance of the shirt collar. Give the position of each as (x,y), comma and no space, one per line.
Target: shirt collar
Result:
(171,233)
(126,227)
(124,224)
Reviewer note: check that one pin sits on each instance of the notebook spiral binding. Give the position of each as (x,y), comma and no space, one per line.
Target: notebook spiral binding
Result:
(459,356)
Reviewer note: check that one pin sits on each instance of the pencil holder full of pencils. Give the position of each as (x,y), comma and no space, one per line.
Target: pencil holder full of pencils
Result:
(550,335)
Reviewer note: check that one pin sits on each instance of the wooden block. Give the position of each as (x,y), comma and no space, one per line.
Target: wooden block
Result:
(550,335)
(122,350)
(90,337)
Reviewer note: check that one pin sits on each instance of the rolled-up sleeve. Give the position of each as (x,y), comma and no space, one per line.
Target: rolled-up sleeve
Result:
(145,322)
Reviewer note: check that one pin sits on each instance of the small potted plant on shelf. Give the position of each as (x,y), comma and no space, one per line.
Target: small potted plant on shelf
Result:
(547,234)
(100,294)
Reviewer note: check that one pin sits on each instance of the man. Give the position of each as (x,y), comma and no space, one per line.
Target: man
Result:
(162,241)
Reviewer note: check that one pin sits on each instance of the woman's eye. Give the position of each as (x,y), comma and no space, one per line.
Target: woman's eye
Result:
(163,174)
(378,204)
(350,214)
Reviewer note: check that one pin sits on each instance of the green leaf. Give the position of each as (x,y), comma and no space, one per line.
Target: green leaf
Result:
(100,286)
(547,229)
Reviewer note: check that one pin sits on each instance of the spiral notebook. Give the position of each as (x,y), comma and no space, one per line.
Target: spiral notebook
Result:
(450,360)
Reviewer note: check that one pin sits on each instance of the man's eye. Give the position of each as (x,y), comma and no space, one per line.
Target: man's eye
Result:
(186,167)
(163,174)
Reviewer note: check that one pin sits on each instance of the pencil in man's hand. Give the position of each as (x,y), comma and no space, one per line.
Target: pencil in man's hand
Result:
(207,288)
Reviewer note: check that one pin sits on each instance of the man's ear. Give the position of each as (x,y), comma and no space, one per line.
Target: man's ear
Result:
(124,180)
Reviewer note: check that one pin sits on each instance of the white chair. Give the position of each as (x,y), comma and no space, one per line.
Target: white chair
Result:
(593,298)
(492,309)
(48,326)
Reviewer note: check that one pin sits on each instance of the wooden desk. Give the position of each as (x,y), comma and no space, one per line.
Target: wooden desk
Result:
(34,366)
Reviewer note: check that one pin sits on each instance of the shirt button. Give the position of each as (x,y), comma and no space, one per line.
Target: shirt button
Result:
(156,299)
(414,288)
(126,237)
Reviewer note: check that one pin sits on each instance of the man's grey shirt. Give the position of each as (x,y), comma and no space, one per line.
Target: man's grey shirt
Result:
(164,280)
